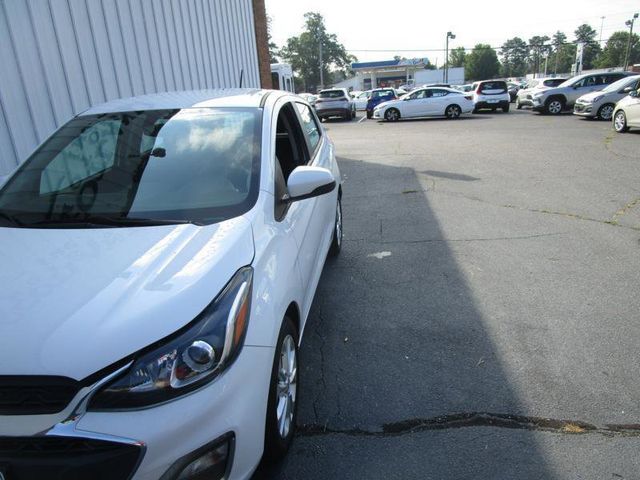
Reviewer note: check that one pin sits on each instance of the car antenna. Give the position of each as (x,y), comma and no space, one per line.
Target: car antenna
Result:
(241,74)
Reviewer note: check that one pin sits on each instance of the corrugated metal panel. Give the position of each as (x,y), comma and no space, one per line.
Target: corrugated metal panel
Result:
(59,57)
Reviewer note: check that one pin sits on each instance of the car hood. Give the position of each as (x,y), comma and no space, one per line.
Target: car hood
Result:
(588,97)
(74,301)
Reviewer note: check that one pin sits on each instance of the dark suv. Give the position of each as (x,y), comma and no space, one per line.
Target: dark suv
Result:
(378,96)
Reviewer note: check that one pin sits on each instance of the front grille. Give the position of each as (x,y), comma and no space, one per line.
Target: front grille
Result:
(35,395)
(66,458)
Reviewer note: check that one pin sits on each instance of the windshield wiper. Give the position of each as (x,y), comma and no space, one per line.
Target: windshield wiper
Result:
(11,218)
(103,221)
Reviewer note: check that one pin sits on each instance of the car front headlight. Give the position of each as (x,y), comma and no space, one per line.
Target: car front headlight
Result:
(188,359)
(595,99)
(538,94)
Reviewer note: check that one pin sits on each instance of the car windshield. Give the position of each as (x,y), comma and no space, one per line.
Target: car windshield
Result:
(620,84)
(197,165)
(332,94)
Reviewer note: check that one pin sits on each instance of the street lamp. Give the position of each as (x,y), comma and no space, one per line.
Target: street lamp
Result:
(445,73)
(629,23)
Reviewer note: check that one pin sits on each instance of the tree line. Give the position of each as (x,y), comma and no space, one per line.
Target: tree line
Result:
(515,58)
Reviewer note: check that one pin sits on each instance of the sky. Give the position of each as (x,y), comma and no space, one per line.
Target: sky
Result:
(417,28)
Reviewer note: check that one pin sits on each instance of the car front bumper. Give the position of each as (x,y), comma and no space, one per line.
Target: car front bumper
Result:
(538,103)
(585,109)
(230,409)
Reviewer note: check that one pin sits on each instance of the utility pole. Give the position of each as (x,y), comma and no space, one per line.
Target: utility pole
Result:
(445,72)
(601,27)
(629,23)
(321,67)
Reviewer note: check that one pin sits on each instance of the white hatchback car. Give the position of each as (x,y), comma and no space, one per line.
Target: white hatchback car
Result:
(627,112)
(426,102)
(160,257)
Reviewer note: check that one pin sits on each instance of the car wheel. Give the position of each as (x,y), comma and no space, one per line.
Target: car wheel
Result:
(554,106)
(369,114)
(518,106)
(353,114)
(476,110)
(505,109)
(336,242)
(606,111)
(392,115)
(453,112)
(620,122)
(282,405)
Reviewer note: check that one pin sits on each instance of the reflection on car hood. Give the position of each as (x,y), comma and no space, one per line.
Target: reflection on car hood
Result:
(591,95)
(75,301)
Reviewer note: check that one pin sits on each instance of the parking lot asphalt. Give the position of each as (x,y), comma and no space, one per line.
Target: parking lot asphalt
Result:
(483,318)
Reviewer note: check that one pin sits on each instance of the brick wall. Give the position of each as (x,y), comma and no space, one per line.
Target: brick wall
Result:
(262,42)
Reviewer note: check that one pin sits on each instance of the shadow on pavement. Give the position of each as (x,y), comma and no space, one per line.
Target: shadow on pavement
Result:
(399,376)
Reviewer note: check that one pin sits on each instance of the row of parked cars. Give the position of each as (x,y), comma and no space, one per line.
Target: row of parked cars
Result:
(606,96)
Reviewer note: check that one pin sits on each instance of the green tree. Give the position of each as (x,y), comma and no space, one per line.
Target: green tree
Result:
(303,52)
(514,54)
(614,52)
(482,63)
(562,54)
(273,48)
(457,57)
(587,35)
(539,49)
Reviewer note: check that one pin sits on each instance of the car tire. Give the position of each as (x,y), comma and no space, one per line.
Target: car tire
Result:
(369,115)
(505,109)
(518,106)
(279,431)
(392,115)
(620,122)
(554,106)
(453,112)
(475,110)
(353,114)
(605,112)
(336,240)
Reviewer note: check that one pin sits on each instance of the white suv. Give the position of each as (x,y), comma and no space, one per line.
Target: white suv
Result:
(335,102)
(491,95)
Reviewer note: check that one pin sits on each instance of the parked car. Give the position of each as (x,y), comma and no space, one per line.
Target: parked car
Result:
(513,91)
(160,255)
(425,102)
(464,88)
(361,100)
(310,98)
(601,104)
(525,94)
(335,102)
(553,101)
(627,112)
(491,95)
(379,95)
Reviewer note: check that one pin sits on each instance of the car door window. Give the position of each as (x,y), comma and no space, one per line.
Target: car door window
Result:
(439,93)
(291,152)
(591,81)
(580,83)
(310,126)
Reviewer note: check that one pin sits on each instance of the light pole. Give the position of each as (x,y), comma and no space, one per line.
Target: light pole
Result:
(445,73)
(601,27)
(321,66)
(629,23)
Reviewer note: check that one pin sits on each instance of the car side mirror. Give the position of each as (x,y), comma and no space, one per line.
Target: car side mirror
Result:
(634,93)
(627,90)
(308,182)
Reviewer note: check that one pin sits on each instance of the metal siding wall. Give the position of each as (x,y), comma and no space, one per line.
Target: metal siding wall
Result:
(59,57)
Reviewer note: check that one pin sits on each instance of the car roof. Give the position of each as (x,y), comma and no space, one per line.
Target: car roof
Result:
(229,97)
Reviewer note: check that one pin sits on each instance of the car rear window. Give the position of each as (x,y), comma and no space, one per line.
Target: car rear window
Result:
(493,86)
(332,94)
(382,93)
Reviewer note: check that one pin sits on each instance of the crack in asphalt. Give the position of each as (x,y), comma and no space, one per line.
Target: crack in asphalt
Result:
(475,419)
(624,210)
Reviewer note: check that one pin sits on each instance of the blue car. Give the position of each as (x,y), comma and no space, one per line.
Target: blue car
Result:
(378,96)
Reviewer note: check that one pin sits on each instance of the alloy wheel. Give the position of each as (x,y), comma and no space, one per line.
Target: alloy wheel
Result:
(606,112)
(555,107)
(453,111)
(287,386)
(392,115)
(620,122)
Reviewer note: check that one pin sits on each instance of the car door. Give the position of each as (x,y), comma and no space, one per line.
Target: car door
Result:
(633,109)
(438,101)
(305,219)
(417,104)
